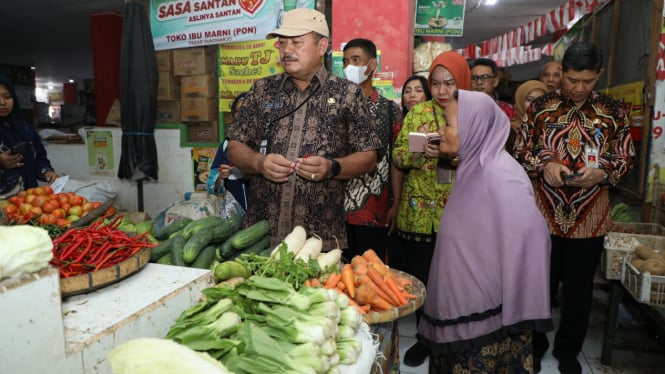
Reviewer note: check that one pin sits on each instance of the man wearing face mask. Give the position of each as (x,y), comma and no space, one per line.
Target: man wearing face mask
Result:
(367,197)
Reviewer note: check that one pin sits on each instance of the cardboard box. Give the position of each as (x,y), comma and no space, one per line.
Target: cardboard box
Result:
(198,109)
(194,61)
(164,60)
(168,111)
(203,132)
(203,85)
(168,87)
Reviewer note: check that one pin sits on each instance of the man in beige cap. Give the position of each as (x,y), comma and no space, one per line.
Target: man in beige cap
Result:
(300,134)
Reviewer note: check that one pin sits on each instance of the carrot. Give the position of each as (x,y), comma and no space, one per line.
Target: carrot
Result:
(378,280)
(332,280)
(356,260)
(368,281)
(376,262)
(404,283)
(316,282)
(359,269)
(409,296)
(348,280)
(308,283)
(393,287)
(341,287)
(366,294)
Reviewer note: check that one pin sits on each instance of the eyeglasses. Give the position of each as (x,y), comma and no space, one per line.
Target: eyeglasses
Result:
(482,78)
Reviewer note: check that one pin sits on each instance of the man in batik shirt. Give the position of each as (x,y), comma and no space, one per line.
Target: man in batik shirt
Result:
(576,143)
(300,134)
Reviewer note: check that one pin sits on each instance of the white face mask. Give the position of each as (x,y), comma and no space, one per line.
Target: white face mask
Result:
(355,74)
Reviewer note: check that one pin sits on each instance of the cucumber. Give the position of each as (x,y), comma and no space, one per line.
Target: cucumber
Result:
(195,244)
(250,235)
(165,260)
(205,258)
(257,247)
(230,269)
(165,231)
(177,246)
(201,223)
(265,253)
(160,250)
(226,229)
(226,250)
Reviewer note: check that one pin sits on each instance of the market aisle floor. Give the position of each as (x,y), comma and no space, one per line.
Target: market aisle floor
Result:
(622,361)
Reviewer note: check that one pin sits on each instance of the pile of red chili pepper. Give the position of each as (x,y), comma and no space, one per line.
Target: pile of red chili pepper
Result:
(87,249)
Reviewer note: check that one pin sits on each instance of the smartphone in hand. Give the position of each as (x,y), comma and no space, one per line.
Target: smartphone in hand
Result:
(19,148)
(571,176)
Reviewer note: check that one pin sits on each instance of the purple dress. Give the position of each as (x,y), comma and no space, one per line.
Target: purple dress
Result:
(489,277)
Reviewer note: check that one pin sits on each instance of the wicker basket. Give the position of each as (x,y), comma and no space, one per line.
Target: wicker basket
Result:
(619,244)
(645,288)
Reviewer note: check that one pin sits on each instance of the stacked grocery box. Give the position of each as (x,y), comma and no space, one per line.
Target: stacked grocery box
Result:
(196,69)
(168,89)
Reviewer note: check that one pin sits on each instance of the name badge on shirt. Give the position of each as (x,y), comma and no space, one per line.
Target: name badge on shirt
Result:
(591,156)
(555,125)
(444,176)
(263,146)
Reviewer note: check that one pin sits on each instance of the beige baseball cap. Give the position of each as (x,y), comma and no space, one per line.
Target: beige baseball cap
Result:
(300,21)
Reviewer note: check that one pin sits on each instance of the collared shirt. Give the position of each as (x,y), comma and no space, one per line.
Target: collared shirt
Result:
(423,197)
(368,196)
(329,118)
(506,108)
(556,130)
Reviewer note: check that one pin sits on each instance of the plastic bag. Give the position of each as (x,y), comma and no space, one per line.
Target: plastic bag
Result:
(93,191)
(198,205)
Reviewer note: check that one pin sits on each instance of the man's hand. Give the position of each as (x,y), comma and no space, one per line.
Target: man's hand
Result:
(552,174)
(51,176)
(589,178)
(11,161)
(313,168)
(276,168)
(391,220)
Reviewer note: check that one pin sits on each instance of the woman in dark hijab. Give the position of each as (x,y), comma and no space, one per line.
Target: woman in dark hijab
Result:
(23,160)
(489,279)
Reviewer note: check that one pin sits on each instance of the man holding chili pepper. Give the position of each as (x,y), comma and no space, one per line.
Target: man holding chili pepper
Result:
(304,111)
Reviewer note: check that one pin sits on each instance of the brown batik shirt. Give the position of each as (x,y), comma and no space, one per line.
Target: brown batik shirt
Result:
(329,118)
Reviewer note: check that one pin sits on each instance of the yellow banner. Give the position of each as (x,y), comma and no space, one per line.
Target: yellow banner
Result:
(241,64)
(630,95)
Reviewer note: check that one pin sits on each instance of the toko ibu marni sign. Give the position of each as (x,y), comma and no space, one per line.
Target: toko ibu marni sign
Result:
(192,23)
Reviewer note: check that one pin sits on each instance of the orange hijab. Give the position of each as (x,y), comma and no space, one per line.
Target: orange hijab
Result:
(520,95)
(457,66)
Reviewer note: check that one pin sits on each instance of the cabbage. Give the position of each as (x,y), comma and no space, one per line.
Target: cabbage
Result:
(24,249)
(161,356)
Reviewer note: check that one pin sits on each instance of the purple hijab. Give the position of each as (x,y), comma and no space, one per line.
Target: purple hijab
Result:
(490,270)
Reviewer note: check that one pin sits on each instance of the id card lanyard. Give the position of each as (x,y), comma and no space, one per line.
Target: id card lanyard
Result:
(591,152)
(443,175)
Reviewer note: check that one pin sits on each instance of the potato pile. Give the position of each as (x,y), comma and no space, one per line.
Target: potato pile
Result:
(648,260)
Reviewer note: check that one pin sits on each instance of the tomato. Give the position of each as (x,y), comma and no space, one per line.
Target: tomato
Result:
(109,212)
(75,210)
(96,204)
(43,219)
(62,199)
(16,200)
(36,210)
(30,198)
(76,200)
(87,207)
(40,200)
(48,189)
(72,218)
(10,209)
(25,208)
(22,194)
(65,206)
(84,200)
(63,222)
(59,213)
(53,196)
(50,206)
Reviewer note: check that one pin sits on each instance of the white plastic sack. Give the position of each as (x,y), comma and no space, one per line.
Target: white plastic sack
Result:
(198,205)
(93,191)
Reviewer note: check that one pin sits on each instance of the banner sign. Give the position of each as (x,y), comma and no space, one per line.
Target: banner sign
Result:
(241,64)
(443,17)
(100,152)
(194,23)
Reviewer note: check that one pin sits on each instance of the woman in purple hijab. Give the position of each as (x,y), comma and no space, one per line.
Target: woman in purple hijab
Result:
(489,279)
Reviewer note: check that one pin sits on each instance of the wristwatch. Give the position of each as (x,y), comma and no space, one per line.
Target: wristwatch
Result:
(606,178)
(335,168)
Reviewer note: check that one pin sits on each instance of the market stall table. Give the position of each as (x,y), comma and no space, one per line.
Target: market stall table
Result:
(76,334)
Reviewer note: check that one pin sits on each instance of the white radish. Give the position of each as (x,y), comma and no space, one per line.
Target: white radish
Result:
(311,249)
(294,241)
(330,258)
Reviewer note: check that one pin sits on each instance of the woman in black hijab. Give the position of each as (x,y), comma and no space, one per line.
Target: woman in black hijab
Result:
(23,158)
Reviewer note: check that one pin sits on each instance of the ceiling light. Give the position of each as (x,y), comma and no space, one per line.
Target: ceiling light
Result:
(50,86)
(33,68)
(71,81)
(490,2)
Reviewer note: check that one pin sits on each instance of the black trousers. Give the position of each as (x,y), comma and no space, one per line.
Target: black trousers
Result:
(361,238)
(576,260)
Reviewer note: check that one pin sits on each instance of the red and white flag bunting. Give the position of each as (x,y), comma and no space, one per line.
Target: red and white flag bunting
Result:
(509,47)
